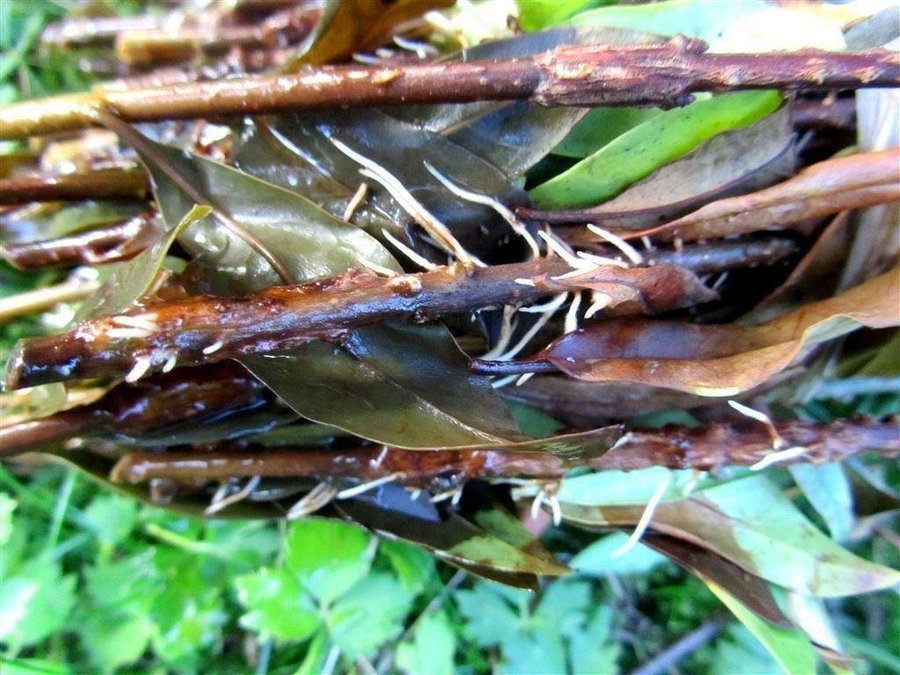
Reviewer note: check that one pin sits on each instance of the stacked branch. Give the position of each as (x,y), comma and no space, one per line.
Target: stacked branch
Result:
(566,76)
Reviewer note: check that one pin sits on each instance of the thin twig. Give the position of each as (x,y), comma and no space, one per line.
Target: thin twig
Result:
(581,75)
(104,184)
(702,448)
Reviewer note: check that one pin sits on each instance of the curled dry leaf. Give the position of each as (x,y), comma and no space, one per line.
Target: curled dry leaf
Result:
(719,360)
(854,181)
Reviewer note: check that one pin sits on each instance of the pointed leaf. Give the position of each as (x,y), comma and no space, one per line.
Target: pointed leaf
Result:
(749,522)
(640,151)
(790,648)
(306,240)
(719,360)
(735,162)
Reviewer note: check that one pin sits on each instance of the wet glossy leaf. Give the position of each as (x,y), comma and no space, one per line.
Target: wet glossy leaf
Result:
(403,149)
(451,538)
(129,281)
(749,522)
(735,162)
(643,149)
(413,389)
(52,221)
(416,378)
(306,240)
(349,26)
(790,648)
(719,360)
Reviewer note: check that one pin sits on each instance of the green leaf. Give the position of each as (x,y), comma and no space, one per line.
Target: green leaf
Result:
(328,556)
(790,648)
(659,140)
(490,618)
(599,127)
(597,560)
(411,385)
(307,241)
(539,14)
(278,605)
(737,651)
(431,649)
(127,585)
(369,614)
(732,163)
(129,281)
(595,649)
(729,26)
(111,517)
(413,566)
(750,522)
(114,640)
(827,488)
(34,604)
(7,507)
(533,654)
(315,655)
(624,487)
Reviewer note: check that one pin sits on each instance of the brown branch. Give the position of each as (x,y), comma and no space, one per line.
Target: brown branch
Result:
(186,396)
(584,76)
(703,448)
(113,243)
(208,329)
(101,185)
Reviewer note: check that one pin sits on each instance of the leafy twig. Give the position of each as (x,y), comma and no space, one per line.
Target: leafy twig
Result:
(588,76)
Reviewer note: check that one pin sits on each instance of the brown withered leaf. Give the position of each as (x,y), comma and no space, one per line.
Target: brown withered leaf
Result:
(349,26)
(854,181)
(719,360)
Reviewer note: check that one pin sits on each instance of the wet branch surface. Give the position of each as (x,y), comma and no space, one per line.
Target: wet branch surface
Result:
(570,76)
(703,448)
(207,329)
(105,184)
